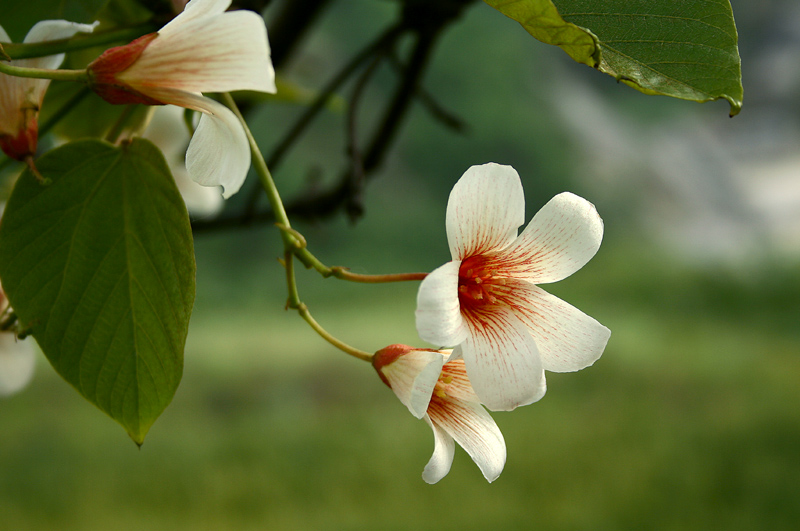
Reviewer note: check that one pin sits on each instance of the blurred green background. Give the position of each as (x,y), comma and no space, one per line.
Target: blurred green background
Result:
(689,421)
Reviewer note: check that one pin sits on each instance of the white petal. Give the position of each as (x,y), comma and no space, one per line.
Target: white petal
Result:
(459,386)
(502,360)
(50,30)
(568,339)
(474,430)
(219,153)
(17,361)
(207,54)
(194,10)
(559,240)
(444,450)
(484,211)
(438,312)
(14,93)
(201,201)
(412,377)
(455,354)
(4,36)
(168,131)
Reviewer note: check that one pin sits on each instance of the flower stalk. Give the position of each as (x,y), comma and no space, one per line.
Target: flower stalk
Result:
(44,73)
(294,243)
(30,50)
(302,309)
(292,238)
(344,274)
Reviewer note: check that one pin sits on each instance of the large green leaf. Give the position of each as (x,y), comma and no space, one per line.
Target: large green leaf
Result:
(99,266)
(681,48)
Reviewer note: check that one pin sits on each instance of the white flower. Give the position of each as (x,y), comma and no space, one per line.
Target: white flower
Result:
(21,97)
(168,131)
(486,302)
(438,390)
(204,49)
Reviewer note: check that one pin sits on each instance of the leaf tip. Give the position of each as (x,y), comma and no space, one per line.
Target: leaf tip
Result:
(736,106)
(137,438)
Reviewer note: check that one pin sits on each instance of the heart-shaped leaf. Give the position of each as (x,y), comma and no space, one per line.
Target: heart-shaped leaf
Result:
(99,266)
(680,48)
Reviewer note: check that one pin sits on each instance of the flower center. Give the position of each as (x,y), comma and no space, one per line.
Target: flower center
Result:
(442,385)
(476,283)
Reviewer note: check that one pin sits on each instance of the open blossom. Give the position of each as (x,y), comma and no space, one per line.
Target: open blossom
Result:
(486,303)
(436,389)
(21,97)
(203,49)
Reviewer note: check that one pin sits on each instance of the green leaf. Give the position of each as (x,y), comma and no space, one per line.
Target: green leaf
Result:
(99,266)
(680,48)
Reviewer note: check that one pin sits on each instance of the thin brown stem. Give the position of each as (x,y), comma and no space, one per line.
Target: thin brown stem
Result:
(344,274)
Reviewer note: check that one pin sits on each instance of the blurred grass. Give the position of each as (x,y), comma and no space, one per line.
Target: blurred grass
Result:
(688,421)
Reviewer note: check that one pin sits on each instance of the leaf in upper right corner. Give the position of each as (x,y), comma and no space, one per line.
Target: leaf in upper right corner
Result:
(685,49)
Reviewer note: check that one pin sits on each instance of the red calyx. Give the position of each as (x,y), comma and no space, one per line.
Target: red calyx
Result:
(23,145)
(103,73)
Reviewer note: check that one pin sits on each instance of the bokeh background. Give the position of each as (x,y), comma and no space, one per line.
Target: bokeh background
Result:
(689,421)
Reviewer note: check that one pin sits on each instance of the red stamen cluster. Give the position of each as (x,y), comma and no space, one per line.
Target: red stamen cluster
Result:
(476,283)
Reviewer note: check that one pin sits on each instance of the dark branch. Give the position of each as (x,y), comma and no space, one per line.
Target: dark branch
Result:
(274,159)
(290,25)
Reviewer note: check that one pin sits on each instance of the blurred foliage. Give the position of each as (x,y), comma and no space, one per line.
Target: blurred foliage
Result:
(686,422)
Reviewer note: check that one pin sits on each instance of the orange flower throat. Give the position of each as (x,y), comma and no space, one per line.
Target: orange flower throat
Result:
(477,283)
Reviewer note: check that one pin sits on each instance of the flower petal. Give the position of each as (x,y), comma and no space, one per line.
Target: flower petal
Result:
(17,361)
(438,312)
(168,131)
(444,450)
(568,339)
(197,9)
(559,240)
(219,153)
(484,211)
(206,53)
(412,376)
(474,430)
(455,372)
(502,359)
(49,30)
